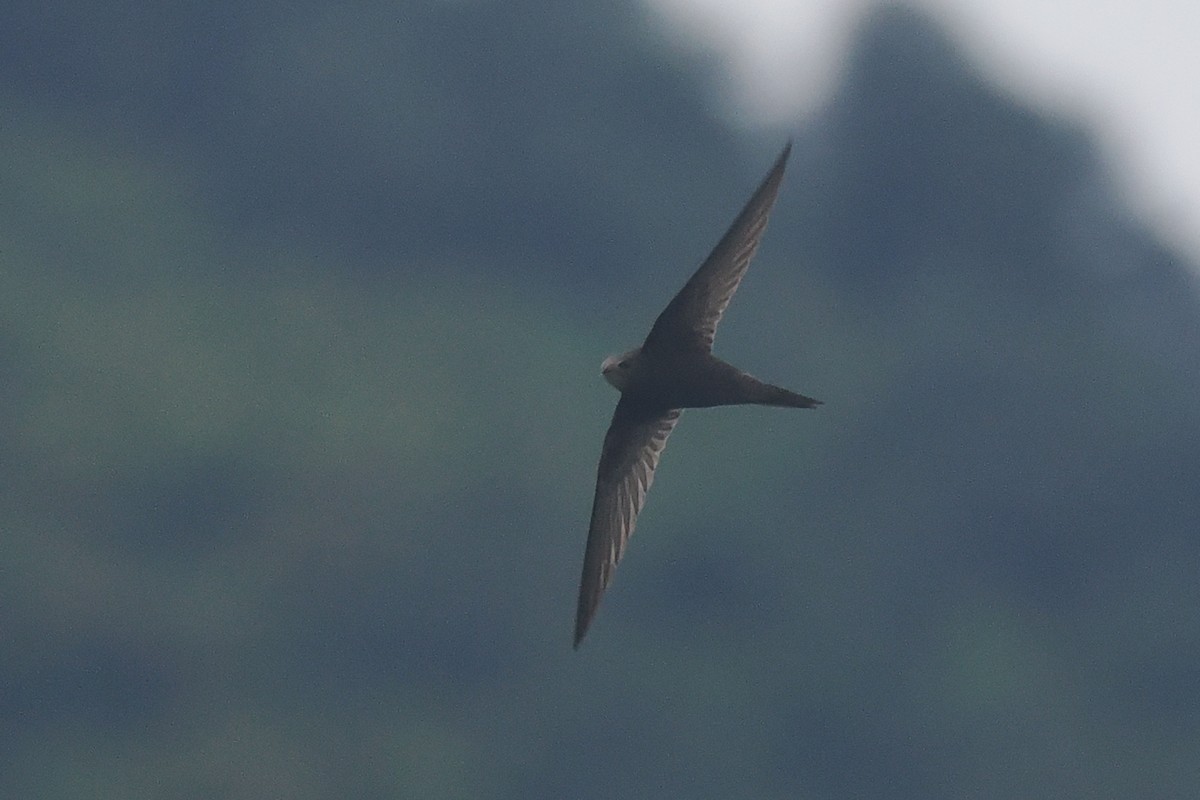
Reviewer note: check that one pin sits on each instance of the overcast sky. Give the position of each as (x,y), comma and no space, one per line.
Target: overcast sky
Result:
(1129,69)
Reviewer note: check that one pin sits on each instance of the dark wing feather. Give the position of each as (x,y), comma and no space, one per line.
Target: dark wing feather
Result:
(632,446)
(690,319)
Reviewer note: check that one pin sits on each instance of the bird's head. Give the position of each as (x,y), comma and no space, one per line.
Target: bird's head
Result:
(618,369)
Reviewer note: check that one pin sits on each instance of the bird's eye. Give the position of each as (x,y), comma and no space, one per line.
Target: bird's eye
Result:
(622,365)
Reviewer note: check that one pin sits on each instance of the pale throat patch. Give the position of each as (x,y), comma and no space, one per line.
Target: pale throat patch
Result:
(617,369)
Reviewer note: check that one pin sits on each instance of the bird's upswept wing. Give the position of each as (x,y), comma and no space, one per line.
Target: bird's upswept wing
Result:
(690,319)
(635,440)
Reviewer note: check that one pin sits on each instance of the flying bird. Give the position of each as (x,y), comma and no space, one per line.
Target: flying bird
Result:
(674,369)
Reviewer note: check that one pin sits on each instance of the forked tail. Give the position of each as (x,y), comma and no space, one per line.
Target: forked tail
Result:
(769,395)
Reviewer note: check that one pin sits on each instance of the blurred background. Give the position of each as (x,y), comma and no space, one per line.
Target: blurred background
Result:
(302,309)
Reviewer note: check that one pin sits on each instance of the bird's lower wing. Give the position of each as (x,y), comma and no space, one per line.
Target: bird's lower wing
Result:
(635,440)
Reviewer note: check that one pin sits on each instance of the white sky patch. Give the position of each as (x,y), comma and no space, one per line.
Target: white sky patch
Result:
(1129,69)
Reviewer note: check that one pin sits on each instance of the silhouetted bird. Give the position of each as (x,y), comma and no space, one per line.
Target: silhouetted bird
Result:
(674,369)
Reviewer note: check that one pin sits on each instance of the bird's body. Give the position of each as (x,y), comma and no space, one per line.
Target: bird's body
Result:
(672,370)
(698,379)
